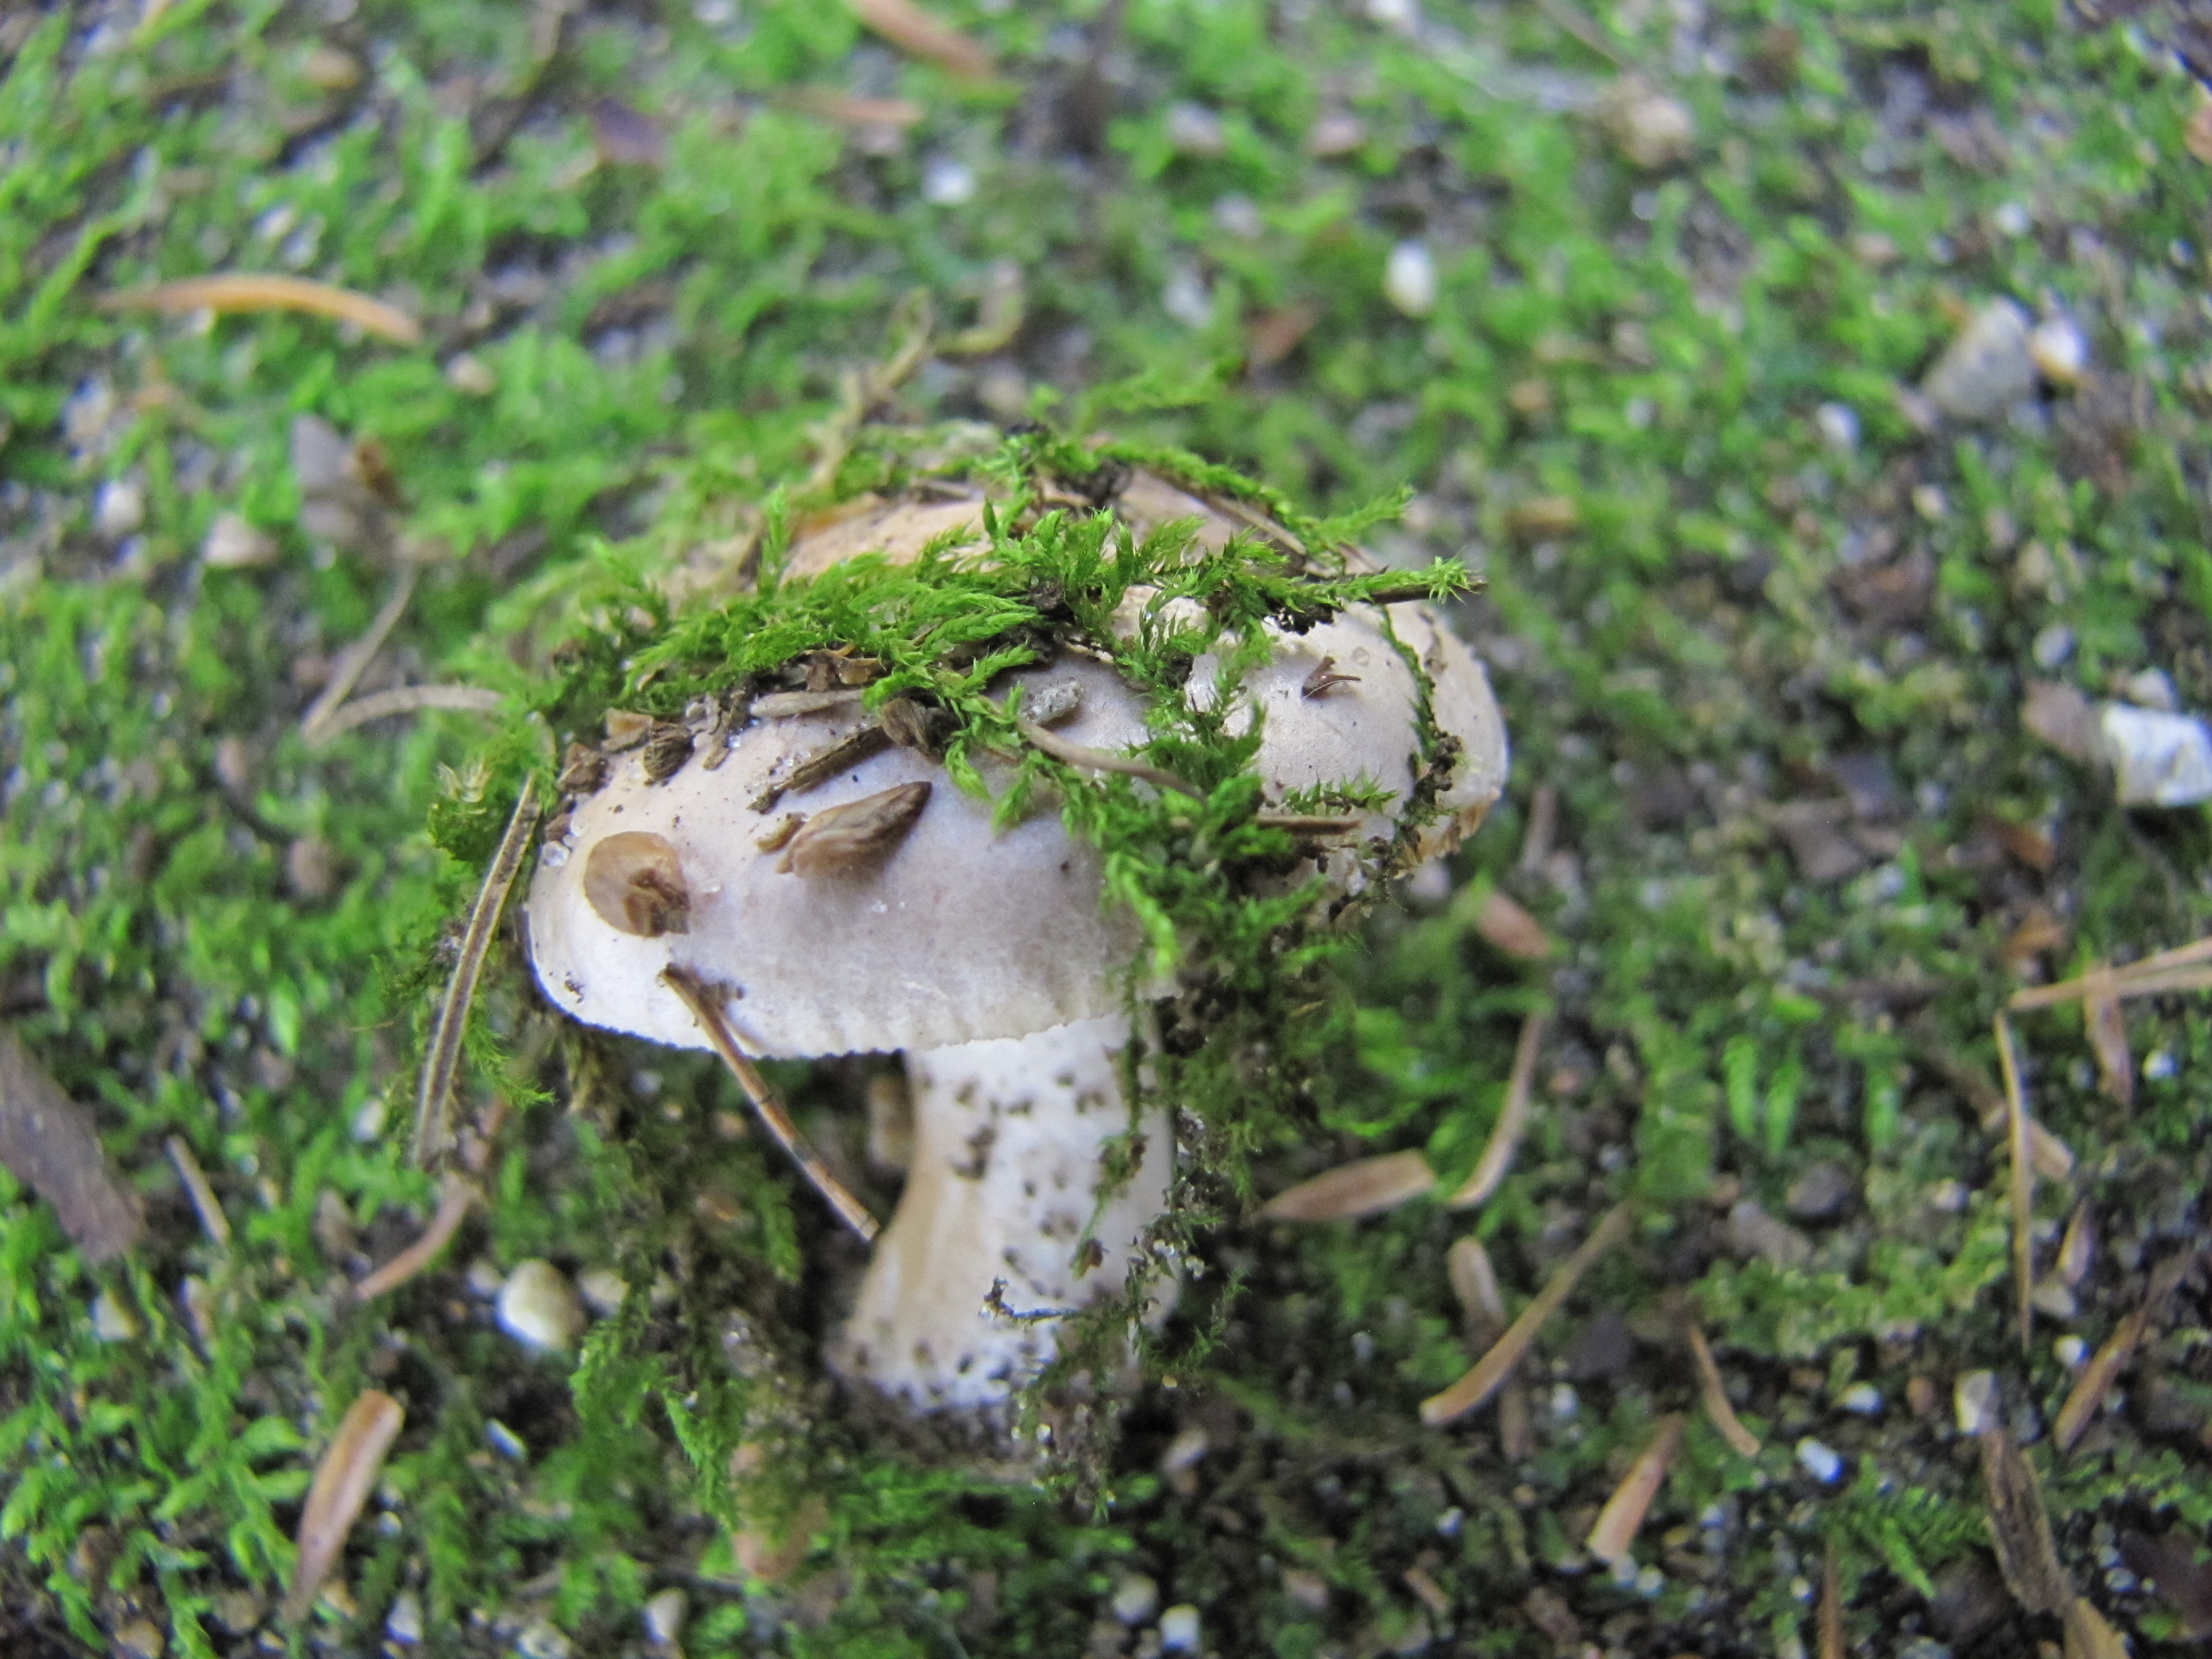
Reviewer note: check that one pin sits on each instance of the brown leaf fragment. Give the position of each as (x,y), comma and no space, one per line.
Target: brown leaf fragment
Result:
(2181,1573)
(2062,717)
(1615,1533)
(625,138)
(1365,1187)
(1892,595)
(2108,1028)
(1814,832)
(2078,1247)
(826,763)
(842,838)
(253,291)
(48,1143)
(1504,926)
(919,33)
(342,1482)
(2088,1395)
(1271,336)
(667,747)
(2038,931)
(1481,1382)
(1324,679)
(583,771)
(2024,841)
(2087,1634)
(2021,1527)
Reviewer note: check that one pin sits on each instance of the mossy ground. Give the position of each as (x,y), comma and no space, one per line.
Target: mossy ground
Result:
(1702,606)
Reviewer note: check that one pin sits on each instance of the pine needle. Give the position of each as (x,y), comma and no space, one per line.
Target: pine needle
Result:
(354,661)
(444,1056)
(2088,1395)
(1512,1120)
(1832,1605)
(1615,1533)
(918,33)
(765,1103)
(239,291)
(1365,1187)
(453,1202)
(2186,968)
(2023,1178)
(1480,1383)
(404,700)
(342,1482)
(212,1222)
(1099,760)
(1712,1392)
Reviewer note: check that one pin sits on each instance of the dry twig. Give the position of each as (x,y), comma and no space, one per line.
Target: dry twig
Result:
(2186,968)
(1832,1605)
(256,291)
(444,1056)
(342,1482)
(1480,1383)
(770,1109)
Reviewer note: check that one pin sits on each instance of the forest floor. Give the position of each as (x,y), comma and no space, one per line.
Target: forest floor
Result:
(1812,384)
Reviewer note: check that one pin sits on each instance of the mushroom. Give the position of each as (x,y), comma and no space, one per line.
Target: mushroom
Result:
(817,889)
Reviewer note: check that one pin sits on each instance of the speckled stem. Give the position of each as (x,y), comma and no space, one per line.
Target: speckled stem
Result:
(1003,1188)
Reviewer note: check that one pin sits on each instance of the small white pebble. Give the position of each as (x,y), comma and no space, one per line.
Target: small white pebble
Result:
(110,1321)
(1185,1449)
(1136,1599)
(603,1289)
(1974,1400)
(2160,1064)
(1179,1629)
(483,1279)
(948,182)
(2013,219)
(2072,1352)
(471,373)
(538,1308)
(2060,354)
(1862,1399)
(540,1640)
(232,543)
(2052,647)
(369,1120)
(664,1618)
(1649,1581)
(1823,1462)
(2153,688)
(505,1441)
(1839,427)
(1188,299)
(1194,130)
(1625,1570)
(1450,1522)
(1565,1402)
(1409,279)
(1950,1196)
(119,509)
(404,1622)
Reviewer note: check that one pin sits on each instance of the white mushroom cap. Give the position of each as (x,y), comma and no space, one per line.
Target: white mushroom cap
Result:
(954,932)
(957,933)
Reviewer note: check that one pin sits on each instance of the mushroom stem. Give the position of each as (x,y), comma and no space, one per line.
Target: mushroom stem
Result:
(1002,1229)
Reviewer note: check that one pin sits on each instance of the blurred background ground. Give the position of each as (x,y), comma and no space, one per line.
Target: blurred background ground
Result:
(1683,322)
